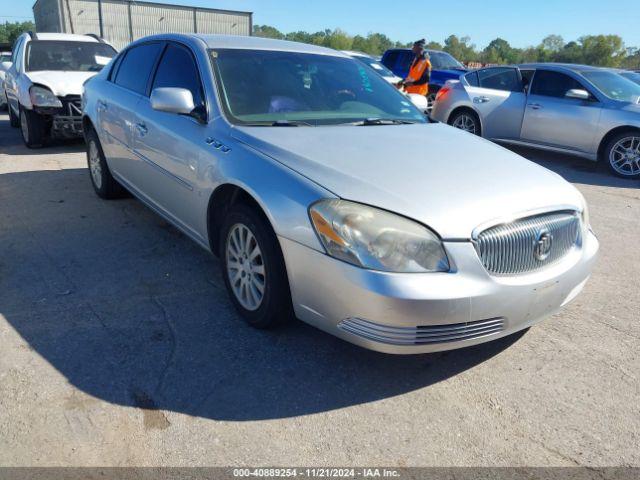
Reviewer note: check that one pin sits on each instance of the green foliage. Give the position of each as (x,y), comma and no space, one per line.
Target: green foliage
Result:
(600,50)
(10,31)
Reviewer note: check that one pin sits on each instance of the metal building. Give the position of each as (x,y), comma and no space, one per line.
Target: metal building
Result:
(122,21)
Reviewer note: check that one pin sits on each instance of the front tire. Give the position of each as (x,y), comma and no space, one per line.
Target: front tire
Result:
(103,182)
(14,121)
(622,155)
(253,268)
(467,121)
(34,128)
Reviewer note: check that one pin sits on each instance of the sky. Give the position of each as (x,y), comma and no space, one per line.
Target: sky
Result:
(520,23)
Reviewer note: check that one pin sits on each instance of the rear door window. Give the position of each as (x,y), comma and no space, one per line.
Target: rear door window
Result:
(136,66)
(501,78)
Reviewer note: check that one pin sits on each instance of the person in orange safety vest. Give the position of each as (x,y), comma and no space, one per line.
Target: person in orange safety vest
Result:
(420,71)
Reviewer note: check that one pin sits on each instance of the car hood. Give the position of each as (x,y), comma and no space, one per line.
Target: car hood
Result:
(447,179)
(61,83)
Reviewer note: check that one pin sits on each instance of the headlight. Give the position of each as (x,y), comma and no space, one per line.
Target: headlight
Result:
(43,97)
(376,239)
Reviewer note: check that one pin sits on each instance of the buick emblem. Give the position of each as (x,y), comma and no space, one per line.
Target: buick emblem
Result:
(542,247)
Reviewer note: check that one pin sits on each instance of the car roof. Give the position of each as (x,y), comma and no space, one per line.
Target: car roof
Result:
(67,37)
(353,53)
(257,43)
(575,67)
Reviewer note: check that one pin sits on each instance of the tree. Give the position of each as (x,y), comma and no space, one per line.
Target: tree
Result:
(338,40)
(500,50)
(552,43)
(267,32)
(460,48)
(600,50)
(10,31)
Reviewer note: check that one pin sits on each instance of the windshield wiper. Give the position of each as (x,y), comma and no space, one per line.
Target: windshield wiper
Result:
(279,123)
(380,121)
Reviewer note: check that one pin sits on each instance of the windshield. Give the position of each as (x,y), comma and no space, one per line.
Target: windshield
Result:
(376,65)
(263,87)
(614,86)
(443,61)
(68,56)
(633,76)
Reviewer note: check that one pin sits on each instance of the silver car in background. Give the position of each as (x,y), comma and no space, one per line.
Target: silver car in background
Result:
(586,111)
(329,197)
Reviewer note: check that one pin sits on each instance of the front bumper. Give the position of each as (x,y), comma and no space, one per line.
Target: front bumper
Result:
(419,313)
(66,121)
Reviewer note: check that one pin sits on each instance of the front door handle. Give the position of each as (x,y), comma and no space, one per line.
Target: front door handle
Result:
(535,106)
(102,106)
(481,100)
(142,129)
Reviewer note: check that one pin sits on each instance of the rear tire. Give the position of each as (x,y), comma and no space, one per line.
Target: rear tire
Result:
(467,121)
(34,128)
(622,154)
(253,268)
(103,182)
(14,121)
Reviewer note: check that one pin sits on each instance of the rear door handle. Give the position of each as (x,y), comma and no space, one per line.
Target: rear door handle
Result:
(481,100)
(535,106)
(142,129)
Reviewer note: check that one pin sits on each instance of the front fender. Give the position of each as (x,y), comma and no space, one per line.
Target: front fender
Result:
(283,194)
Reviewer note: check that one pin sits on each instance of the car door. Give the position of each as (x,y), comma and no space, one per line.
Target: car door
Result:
(174,146)
(117,101)
(552,119)
(498,97)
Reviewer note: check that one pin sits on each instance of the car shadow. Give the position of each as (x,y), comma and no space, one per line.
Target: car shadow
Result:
(575,169)
(132,312)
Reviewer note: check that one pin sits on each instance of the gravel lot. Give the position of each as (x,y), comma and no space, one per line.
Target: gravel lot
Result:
(119,347)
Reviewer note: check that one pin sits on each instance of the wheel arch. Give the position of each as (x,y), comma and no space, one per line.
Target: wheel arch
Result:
(221,200)
(466,108)
(612,133)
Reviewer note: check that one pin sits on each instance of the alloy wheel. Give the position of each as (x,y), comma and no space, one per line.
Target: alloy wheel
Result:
(245,267)
(465,122)
(94,164)
(625,156)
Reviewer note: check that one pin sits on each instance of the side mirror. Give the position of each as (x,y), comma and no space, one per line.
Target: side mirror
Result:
(419,101)
(578,94)
(5,66)
(172,100)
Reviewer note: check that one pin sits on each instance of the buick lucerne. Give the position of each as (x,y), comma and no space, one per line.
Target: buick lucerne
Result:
(329,197)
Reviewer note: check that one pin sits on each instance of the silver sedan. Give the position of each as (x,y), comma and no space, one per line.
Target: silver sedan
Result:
(329,197)
(579,110)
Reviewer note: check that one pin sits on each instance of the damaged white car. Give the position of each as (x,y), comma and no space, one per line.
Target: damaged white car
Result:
(44,83)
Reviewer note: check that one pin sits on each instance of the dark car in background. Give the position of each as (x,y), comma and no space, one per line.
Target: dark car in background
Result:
(444,67)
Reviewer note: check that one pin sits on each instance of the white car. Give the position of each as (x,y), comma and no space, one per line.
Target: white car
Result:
(379,68)
(5,64)
(44,83)
(418,100)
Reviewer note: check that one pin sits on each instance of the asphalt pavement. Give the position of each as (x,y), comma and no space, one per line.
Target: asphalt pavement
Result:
(119,347)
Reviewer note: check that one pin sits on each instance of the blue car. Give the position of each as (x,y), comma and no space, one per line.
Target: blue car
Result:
(444,67)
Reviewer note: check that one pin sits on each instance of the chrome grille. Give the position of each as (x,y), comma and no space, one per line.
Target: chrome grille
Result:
(510,248)
(422,335)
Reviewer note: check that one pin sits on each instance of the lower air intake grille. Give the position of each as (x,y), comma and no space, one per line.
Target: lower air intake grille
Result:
(422,335)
